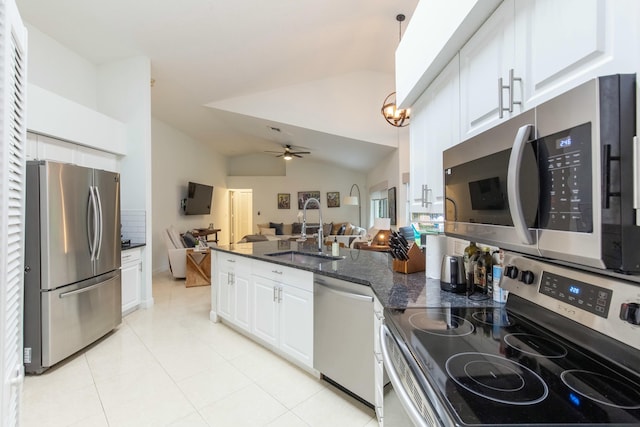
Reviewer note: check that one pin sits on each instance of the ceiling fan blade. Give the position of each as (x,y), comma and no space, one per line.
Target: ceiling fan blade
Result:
(300,152)
(296,155)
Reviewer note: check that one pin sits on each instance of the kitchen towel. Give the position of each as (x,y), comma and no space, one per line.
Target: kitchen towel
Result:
(436,249)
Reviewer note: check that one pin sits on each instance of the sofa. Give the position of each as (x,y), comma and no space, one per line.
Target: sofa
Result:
(344,232)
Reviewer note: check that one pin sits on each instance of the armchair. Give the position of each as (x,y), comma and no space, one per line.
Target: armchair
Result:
(176,251)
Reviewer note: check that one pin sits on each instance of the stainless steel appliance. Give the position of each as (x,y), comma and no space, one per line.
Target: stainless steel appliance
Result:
(564,351)
(343,335)
(72,260)
(452,277)
(558,181)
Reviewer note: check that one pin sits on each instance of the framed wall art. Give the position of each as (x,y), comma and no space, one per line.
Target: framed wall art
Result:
(304,195)
(284,200)
(333,199)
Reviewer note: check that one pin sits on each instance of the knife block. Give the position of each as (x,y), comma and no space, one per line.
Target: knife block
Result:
(415,263)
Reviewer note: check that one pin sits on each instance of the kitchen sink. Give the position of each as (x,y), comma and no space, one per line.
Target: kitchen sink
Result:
(306,258)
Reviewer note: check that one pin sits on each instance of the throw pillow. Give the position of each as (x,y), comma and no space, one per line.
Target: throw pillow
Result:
(254,238)
(261,226)
(336,227)
(268,231)
(348,228)
(189,240)
(326,228)
(278,227)
(341,230)
(296,228)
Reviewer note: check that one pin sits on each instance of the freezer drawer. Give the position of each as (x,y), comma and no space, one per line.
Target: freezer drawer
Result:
(74,316)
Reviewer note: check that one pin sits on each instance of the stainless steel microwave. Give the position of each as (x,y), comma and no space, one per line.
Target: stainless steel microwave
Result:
(558,181)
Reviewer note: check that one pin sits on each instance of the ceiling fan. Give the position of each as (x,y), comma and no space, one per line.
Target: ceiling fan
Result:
(289,153)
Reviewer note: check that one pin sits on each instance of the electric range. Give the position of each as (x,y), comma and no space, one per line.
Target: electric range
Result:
(565,350)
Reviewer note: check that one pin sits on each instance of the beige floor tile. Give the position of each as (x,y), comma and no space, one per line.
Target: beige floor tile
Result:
(70,374)
(290,385)
(331,407)
(214,384)
(248,407)
(60,409)
(187,359)
(288,420)
(192,420)
(99,420)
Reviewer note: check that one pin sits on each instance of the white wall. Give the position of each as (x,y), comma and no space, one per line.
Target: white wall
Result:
(60,70)
(178,159)
(390,170)
(302,175)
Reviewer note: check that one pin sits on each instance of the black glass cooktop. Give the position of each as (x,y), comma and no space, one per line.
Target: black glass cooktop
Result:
(489,366)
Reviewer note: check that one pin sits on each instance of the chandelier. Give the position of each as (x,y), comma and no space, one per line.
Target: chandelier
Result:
(395,116)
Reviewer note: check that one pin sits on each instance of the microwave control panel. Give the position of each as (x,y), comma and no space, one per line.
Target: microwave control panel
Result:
(565,171)
(592,298)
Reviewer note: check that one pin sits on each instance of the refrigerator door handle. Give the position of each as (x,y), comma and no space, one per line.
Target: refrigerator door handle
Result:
(82,290)
(99,223)
(92,224)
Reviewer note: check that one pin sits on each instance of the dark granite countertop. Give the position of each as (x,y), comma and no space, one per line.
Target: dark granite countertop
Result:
(393,290)
(132,246)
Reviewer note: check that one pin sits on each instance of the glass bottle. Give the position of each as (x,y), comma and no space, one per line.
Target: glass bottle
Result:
(484,266)
(469,251)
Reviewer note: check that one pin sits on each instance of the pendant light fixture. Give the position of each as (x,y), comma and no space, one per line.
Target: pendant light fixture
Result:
(392,114)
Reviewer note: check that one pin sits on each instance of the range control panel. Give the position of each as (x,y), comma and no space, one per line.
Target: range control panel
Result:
(586,296)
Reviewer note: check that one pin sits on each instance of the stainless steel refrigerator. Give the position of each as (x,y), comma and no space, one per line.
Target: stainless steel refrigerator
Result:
(72,260)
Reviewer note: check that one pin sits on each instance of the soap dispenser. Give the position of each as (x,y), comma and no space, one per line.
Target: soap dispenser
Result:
(335,247)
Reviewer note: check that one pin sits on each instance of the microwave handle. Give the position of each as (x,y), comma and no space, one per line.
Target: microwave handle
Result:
(513,184)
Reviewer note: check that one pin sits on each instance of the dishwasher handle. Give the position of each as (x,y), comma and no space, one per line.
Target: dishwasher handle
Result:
(403,395)
(359,297)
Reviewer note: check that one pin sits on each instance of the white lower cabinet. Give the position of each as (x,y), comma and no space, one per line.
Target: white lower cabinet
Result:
(131,277)
(233,282)
(283,309)
(378,371)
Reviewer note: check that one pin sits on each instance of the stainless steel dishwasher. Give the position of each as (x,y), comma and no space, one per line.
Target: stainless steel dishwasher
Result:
(343,335)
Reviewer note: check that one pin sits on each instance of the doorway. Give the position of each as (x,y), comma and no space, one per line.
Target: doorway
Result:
(240,207)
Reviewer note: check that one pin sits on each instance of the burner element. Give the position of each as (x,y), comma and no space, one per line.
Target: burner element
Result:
(441,322)
(535,345)
(497,317)
(496,378)
(618,393)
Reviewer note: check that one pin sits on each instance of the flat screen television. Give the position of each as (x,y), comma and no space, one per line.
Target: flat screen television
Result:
(198,201)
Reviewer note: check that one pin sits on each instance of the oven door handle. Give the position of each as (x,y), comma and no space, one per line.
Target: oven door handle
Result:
(403,396)
(513,184)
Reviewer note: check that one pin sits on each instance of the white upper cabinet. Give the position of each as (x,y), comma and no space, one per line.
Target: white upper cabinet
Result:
(434,128)
(486,58)
(561,44)
(436,32)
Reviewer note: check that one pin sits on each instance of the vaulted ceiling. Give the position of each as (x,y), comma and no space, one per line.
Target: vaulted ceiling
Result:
(228,72)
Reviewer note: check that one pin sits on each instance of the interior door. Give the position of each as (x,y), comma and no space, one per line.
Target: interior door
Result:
(64,207)
(241,206)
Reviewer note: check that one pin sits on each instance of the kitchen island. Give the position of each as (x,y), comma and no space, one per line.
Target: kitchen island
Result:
(325,313)
(368,268)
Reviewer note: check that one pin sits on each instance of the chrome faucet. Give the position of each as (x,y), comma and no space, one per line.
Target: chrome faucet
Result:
(304,221)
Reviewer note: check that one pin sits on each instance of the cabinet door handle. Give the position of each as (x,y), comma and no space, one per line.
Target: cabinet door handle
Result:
(275,294)
(279,294)
(512,90)
(501,108)
(276,271)
(231,260)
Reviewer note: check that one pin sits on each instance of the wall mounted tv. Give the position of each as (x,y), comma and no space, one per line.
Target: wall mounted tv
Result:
(199,198)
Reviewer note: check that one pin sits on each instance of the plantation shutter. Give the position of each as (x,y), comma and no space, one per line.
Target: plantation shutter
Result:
(13,82)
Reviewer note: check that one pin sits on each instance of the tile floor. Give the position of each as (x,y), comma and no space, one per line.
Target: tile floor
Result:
(171,366)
